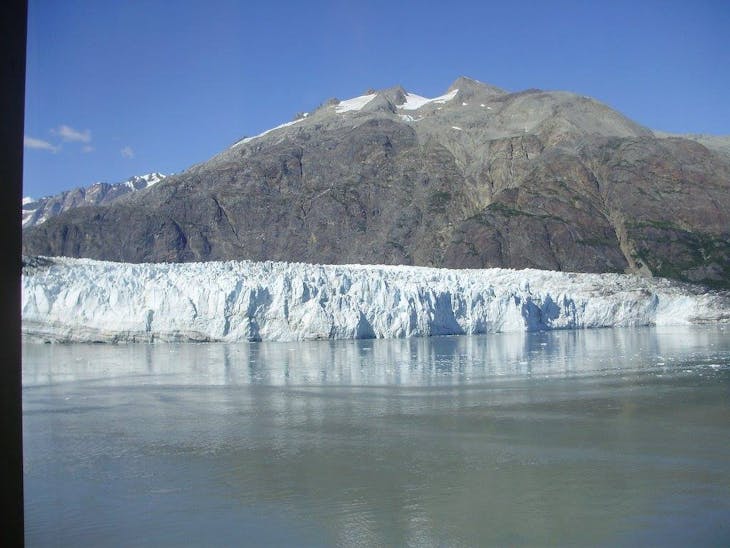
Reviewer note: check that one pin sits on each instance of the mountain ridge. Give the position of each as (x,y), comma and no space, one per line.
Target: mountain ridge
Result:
(477,177)
(35,212)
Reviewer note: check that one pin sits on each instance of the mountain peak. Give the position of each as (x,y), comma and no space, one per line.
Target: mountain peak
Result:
(468,87)
(396,94)
(473,178)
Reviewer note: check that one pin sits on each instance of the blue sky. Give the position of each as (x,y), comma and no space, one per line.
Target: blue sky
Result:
(116,89)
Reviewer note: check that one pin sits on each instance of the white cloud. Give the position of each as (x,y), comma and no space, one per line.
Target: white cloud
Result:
(67,133)
(40,144)
(127,152)
(87,148)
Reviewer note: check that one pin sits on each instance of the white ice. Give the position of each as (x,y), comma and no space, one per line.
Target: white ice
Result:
(414,102)
(152,178)
(86,300)
(356,103)
(248,139)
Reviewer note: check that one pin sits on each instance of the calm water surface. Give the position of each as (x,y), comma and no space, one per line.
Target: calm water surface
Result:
(602,437)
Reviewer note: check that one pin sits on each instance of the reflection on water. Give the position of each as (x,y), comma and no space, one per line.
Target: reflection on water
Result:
(589,437)
(415,361)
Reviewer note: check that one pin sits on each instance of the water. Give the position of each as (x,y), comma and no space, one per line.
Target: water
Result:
(603,437)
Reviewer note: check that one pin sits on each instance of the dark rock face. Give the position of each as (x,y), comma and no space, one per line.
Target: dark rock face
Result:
(482,178)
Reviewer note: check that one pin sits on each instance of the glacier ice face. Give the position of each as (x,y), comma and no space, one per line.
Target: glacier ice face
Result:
(85,300)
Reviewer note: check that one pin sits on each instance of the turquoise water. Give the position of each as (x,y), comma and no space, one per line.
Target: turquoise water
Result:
(602,437)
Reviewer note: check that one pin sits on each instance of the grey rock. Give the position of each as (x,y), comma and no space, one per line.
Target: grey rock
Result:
(39,211)
(717,143)
(489,178)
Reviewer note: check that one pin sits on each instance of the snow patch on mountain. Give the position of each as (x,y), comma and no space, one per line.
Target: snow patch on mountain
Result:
(84,300)
(35,212)
(149,178)
(414,102)
(138,182)
(28,217)
(354,104)
(280,126)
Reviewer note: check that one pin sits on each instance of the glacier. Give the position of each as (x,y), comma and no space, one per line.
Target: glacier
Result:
(84,300)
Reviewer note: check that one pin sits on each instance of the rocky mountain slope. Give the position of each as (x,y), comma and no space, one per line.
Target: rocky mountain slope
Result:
(475,178)
(717,143)
(38,211)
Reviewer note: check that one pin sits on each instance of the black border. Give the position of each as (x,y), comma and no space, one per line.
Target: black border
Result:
(13,36)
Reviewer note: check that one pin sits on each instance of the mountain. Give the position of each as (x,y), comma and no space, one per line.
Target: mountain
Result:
(477,177)
(718,143)
(36,212)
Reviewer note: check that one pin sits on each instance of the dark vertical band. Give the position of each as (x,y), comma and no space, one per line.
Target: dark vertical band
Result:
(13,28)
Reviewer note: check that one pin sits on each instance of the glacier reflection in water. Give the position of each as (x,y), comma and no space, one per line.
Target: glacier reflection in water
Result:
(615,436)
(413,361)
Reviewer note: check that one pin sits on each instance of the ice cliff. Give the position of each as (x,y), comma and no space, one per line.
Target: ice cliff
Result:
(85,300)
